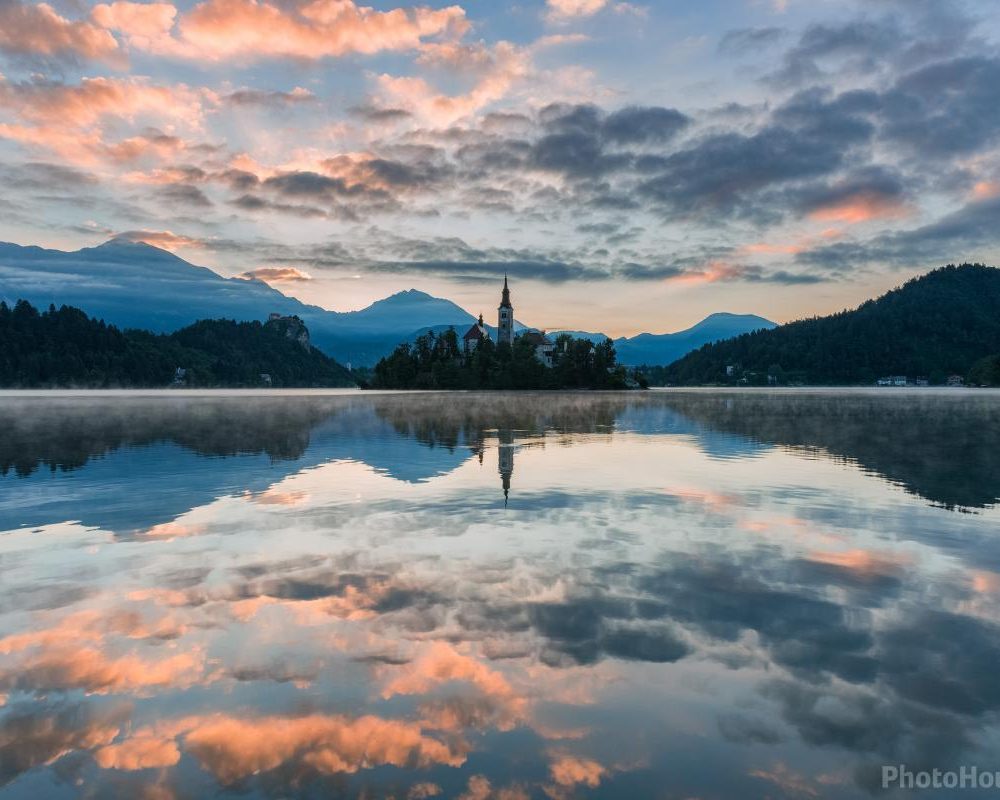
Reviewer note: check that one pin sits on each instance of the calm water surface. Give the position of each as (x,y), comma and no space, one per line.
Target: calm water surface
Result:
(669,595)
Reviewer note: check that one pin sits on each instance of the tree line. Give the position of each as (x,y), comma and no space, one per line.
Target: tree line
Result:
(63,347)
(941,324)
(439,362)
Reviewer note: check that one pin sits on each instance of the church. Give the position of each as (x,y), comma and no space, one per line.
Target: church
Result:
(544,346)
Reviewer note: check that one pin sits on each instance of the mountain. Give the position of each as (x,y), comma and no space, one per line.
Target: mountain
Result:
(665,348)
(136,285)
(933,326)
(65,348)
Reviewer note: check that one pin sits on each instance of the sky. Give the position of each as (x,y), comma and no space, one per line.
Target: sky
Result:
(631,166)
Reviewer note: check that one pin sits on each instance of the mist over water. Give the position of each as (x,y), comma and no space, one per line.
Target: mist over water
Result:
(661,594)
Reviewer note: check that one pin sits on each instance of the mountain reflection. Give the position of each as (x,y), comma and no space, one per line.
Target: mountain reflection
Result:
(326,596)
(943,448)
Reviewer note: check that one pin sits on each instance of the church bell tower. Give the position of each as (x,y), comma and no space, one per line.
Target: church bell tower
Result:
(505,320)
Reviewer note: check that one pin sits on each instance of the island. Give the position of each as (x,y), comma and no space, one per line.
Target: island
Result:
(528,359)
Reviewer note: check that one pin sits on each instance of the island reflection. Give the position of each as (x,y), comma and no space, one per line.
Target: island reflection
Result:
(723,595)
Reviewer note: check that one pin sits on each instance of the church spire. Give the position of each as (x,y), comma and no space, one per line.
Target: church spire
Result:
(505,316)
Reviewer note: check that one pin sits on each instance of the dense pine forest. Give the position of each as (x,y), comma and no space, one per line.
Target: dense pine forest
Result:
(63,347)
(438,362)
(940,324)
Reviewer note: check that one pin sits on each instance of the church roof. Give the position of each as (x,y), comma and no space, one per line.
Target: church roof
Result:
(536,338)
(505,297)
(477,331)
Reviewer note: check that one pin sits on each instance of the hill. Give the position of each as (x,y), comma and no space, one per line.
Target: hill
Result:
(64,347)
(939,324)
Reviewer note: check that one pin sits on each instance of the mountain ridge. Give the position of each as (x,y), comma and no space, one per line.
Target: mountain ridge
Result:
(134,284)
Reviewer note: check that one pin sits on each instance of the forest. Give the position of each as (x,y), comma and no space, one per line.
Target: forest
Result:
(63,347)
(938,325)
(438,362)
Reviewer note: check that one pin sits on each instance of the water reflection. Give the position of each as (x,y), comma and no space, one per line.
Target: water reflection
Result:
(691,594)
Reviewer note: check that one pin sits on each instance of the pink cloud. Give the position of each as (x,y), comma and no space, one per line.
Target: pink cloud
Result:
(570,770)
(233,748)
(89,102)
(498,70)
(567,9)
(28,29)
(139,752)
(216,30)
(278,275)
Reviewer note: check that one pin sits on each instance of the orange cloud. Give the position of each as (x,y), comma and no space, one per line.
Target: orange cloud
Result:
(862,562)
(986,190)
(233,748)
(139,752)
(442,663)
(860,207)
(570,770)
(498,68)
(36,29)
(167,240)
(480,788)
(276,275)
(87,103)
(215,30)
(96,673)
(789,782)
(711,272)
(713,501)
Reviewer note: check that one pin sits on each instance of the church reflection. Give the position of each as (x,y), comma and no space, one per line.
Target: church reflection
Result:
(505,460)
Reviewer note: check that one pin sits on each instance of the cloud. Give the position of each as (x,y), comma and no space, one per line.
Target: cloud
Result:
(951,238)
(256,97)
(250,30)
(562,10)
(569,770)
(743,41)
(138,752)
(277,274)
(167,240)
(496,70)
(38,30)
(233,748)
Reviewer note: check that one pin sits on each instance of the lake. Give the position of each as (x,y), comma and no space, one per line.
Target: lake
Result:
(661,594)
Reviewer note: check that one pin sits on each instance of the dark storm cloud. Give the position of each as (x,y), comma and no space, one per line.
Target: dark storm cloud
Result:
(750,40)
